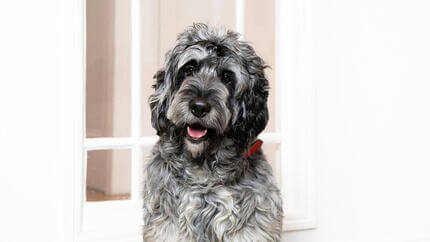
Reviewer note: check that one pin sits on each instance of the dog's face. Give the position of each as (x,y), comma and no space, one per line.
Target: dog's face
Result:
(211,88)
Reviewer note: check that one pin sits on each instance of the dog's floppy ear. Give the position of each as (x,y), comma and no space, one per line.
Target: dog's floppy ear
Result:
(158,103)
(253,114)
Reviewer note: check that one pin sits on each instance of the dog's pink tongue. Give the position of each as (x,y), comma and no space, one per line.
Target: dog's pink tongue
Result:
(196,133)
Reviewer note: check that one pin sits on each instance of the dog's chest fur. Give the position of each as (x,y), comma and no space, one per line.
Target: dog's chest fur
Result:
(205,214)
(200,211)
(192,206)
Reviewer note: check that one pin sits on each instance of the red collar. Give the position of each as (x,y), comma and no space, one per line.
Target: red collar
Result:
(254,148)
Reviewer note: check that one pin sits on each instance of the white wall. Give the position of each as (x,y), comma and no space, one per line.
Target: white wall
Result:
(370,68)
(27,118)
(36,59)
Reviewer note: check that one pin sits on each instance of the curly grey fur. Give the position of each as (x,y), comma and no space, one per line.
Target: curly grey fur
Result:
(208,191)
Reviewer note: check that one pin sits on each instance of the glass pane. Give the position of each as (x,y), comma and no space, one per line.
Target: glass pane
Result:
(108,175)
(271,150)
(260,32)
(108,68)
(174,17)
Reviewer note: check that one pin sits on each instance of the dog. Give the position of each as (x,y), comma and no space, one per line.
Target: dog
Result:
(206,178)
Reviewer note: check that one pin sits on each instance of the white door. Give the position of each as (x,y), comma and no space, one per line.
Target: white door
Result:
(125,45)
(90,132)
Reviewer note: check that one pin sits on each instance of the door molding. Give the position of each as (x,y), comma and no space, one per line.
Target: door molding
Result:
(71,89)
(297,113)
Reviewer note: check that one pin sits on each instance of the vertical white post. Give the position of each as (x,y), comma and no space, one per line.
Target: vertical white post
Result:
(135,69)
(296,116)
(135,96)
(136,111)
(281,62)
(240,16)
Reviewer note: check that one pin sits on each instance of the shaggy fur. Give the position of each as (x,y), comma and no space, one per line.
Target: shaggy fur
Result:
(207,190)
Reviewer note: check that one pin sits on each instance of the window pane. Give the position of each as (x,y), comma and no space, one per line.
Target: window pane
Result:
(173,18)
(260,32)
(108,175)
(108,68)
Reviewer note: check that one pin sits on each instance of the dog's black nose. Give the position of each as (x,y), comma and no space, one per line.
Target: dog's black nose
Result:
(199,107)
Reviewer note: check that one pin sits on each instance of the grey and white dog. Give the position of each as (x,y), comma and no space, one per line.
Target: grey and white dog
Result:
(209,105)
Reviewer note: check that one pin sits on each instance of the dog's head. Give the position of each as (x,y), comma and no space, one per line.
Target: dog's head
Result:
(211,87)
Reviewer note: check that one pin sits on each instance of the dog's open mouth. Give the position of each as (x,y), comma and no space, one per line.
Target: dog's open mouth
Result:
(196,132)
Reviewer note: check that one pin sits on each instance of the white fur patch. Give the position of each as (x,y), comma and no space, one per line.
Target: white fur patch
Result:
(195,149)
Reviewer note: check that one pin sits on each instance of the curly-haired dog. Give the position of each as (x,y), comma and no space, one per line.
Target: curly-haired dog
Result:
(202,182)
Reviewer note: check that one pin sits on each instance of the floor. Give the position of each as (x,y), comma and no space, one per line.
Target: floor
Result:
(94,195)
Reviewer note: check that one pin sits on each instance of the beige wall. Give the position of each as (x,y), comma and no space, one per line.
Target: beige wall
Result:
(108,68)
(100,67)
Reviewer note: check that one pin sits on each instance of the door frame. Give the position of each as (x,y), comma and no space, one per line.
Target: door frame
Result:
(297,116)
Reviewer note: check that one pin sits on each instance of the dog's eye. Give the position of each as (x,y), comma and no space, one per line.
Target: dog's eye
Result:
(189,70)
(227,76)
